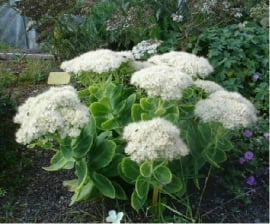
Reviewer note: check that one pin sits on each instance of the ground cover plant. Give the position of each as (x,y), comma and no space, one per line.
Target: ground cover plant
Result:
(147,127)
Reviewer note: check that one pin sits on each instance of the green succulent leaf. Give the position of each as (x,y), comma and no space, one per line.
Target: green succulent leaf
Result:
(100,109)
(146,104)
(111,170)
(102,154)
(136,202)
(110,124)
(82,144)
(104,185)
(119,191)
(71,184)
(141,187)
(66,148)
(174,186)
(146,169)
(129,169)
(162,175)
(136,112)
(81,172)
(85,191)
(59,162)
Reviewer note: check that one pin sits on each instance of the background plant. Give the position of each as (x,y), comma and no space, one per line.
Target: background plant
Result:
(245,69)
(237,53)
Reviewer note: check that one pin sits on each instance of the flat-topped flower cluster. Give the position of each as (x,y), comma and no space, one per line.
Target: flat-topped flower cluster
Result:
(145,47)
(57,110)
(229,108)
(165,76)
(162,80)
(154,139)
(99,61)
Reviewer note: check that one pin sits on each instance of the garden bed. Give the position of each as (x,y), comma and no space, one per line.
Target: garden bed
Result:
(41,197)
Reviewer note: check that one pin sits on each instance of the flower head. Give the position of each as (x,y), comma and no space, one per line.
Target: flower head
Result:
(238,15)
(229,108)
(248,133)
(208,86)
(161,80)
(266,135)
(177,18)
(57,110)
(114,217)
(185,62)
(145,47)
(101,60)
(242,160)
(251,180)
(248,155)
(256,76)
(153,139)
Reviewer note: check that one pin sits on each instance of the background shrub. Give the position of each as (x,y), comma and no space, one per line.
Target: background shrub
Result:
(239,54)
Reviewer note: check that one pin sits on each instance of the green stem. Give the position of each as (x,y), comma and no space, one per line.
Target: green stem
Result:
(202,194)
(155,200)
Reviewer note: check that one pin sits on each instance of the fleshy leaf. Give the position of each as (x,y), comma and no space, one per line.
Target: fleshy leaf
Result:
(146,169)
(141,187)
(162,174)
(104,185)
(130,169)
(102,155)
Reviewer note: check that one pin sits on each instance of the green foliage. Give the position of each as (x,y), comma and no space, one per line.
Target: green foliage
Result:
(237,169)
(113,24)
(5,46)
(74,34)
(36,70)
(154,107)
(97,154)
(237,52)
(121,75)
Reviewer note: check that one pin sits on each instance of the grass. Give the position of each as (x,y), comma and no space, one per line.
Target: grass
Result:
(5,46)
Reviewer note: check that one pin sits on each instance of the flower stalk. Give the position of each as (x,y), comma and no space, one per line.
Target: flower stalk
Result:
(155,199)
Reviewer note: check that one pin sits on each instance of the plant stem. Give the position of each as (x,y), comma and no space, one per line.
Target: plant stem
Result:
(202,194)
(155,200)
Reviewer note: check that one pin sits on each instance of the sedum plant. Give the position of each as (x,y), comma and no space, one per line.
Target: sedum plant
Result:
(153,135)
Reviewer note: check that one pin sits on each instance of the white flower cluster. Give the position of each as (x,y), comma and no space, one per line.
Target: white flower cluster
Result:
(145,47)
(177,18)
(57,110)
(185,62)
(229,108)
(101,60)
(208,5)
(238,15)
(208,86)
(161,80)
(154,139)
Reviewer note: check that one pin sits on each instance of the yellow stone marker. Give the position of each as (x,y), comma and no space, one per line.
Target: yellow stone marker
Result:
(58,78)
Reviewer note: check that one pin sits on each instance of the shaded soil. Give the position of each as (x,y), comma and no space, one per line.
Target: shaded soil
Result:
(42,198)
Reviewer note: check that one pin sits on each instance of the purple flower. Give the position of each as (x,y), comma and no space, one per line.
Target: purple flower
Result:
(251,180)
(242,160)
(248,133)
(266,135)
(248,155)
(256,76)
